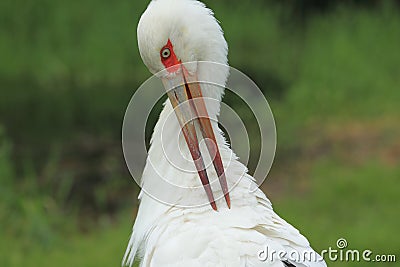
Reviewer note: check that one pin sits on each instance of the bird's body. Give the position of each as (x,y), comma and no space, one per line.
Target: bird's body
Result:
(174,235)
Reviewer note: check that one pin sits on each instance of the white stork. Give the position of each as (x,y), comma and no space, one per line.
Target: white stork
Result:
(238,229)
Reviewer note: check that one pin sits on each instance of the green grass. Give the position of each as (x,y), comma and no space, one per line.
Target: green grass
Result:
(103,246)
(349,66)
(355,203)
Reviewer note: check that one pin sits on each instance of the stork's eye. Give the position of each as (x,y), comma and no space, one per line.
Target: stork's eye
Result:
(166,53)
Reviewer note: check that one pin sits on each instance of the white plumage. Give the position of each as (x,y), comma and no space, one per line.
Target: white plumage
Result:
(165,235)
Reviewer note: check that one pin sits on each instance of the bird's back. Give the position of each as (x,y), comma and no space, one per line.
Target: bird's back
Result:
(245,235)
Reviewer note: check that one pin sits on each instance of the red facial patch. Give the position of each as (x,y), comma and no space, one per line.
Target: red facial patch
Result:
(169,59)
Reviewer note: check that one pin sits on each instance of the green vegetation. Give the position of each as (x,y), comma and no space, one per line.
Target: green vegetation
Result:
(67,71)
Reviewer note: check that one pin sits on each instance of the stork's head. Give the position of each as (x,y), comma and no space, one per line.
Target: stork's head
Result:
(172,33)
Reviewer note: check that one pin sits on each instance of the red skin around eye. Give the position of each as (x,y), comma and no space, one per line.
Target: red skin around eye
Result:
(171,63)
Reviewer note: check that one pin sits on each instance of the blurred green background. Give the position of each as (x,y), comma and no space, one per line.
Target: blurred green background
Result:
(330,69)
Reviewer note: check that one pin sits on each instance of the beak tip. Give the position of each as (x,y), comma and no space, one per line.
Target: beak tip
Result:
(228,201)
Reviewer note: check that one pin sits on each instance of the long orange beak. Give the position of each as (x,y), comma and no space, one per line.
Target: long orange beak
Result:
(185,94)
